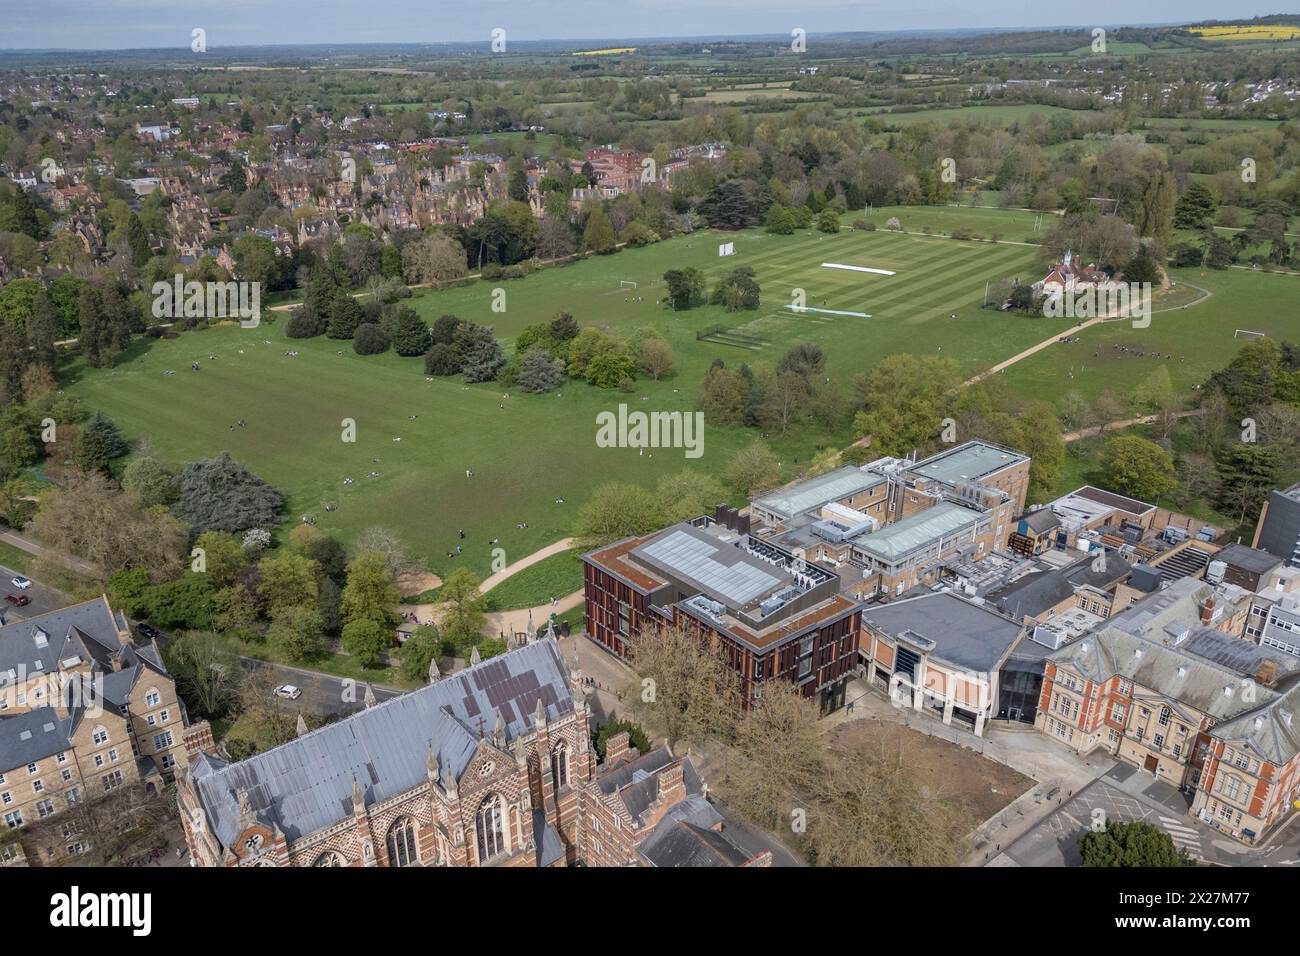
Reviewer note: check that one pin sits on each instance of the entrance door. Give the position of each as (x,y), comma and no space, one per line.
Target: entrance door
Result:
(1150,764)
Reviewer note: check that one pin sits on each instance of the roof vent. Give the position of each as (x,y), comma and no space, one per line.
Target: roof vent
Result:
(1182,670)
(1137,652)
(25,735)
(1227,691)
(1286,717)
(1259,721)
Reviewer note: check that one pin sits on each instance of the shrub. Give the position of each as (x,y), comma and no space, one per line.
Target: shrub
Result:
(369,340)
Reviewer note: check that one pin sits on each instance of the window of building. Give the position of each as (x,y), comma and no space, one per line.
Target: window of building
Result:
(163,740)
(38,786)
(401,843)
(491,836)
(14,818)
(44,808)
(112,780)
(1164,716)
(560,764)
(328,858)
(99,736)
(1232,787)
(153,698)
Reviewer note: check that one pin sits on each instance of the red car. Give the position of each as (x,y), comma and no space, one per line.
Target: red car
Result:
(18,600)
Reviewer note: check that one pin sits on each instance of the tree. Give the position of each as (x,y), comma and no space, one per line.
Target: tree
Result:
(1196,207)
(655,357)
(780,221)
(346,315)
(1131,844)
(611,368)
(753,469)
(224,559)
(1155,395)
(371,590)
(219,494)
(409,333)
(598,236)
(100,442)
(297,633)
(1138,467)
(737,291)
(554,237)
(687,494)
(1246,472)
(152,482)
(464,618)
(1039,433)
(207,672)
(721,396)
(441,360)
(692,694)
(905,399)
(365,639)
(538,372)
(185,602)
(88,516)
(288,580)
(417,651)
(616,510)
(806,359)
(685,287)
(480,353)
(369,339)
(434,258)
(1107,408)
(828,221)
(636,736)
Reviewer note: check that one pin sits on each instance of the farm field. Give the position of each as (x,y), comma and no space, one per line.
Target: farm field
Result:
(537,449)
(998,114)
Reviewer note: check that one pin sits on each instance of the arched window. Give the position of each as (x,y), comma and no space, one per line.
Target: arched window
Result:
(401,843)
(328,858)
(491,836)
(560,765)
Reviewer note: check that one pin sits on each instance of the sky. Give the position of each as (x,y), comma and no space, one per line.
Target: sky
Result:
(135,24)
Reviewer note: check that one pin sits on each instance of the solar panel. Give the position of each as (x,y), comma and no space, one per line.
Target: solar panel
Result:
(738,582)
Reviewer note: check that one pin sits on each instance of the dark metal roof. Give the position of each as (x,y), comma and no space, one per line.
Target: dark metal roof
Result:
(306,784)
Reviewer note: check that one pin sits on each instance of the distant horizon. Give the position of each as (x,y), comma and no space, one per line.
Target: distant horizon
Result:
(146,26)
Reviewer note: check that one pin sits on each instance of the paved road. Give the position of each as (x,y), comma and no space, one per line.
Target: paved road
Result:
(322,694)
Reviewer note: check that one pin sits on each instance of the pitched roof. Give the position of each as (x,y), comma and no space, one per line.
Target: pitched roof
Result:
(1037,592)
(1273,732)
(33,735)
(306,784)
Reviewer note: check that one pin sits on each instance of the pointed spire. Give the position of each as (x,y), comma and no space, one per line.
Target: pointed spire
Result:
(539,714)
(431,764)
(302,725)
(550,629)
(532,631)
(370,696)
(434,673)
(474,657)
(358,797)
(499,731)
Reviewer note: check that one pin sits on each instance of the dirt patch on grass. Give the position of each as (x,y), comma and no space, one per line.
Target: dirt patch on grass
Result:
(977,785)
(417,583)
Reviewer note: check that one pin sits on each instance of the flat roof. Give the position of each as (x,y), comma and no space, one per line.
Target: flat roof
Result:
(968,462)
(964,633)
(916,531)
(806,495)
(712,566)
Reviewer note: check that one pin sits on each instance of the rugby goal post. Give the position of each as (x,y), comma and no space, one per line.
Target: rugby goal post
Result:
(727,249)
(1247,334)
(626,284)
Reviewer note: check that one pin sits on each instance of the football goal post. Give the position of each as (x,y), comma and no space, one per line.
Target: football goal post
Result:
(626,284)
(1247,334)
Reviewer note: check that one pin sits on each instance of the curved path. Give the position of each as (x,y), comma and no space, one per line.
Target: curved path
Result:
(1020,356)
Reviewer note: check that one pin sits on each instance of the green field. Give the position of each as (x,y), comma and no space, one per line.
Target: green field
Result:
(536,449)
(1199,338)
(556,576)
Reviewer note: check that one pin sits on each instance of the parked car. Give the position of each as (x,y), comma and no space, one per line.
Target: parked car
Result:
(21,583)
(18,600)
(288,692)
(151,633)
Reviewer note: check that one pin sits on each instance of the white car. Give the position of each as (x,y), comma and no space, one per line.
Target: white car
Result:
(21,583)
(288,692)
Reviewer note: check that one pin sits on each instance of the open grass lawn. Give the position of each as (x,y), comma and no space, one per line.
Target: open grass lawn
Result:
(1010,225)
(1199,338)
(540,448)
(994,115)
(557,576)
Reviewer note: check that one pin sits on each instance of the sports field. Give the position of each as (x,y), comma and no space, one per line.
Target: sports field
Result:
(1199,339)
(528,451)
